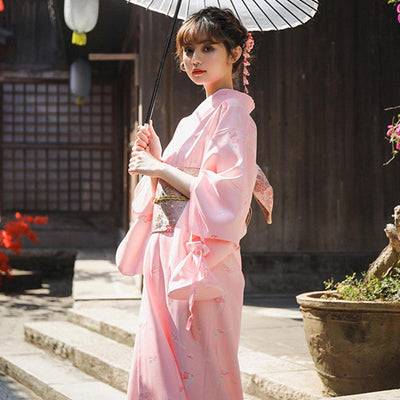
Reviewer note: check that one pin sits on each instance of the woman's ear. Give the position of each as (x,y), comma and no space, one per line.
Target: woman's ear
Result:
(236,53)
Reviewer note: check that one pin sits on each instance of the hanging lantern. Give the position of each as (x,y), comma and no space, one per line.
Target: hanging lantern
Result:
(81,17)
(80,80)
(1,5)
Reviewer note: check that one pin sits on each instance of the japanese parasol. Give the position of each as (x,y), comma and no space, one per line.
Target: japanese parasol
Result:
(256,15)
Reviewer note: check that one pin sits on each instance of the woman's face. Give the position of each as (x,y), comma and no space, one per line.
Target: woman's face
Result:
(208,63)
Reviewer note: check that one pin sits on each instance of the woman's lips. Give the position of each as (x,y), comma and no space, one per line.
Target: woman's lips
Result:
(198,72)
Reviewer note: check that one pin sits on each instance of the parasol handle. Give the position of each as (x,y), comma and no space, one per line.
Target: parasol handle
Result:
(164,56)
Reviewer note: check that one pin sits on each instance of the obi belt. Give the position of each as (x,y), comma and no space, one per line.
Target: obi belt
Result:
(169,203)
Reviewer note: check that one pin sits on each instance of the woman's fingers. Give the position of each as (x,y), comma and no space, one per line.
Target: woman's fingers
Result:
(141,143)
(134,161)
(138,147)
(132,167)
(143,135)
(144,132)
(134,154)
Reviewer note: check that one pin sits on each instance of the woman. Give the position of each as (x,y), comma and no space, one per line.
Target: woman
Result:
(189,214)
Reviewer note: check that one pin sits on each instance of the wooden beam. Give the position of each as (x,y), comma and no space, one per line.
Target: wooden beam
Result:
(112,56)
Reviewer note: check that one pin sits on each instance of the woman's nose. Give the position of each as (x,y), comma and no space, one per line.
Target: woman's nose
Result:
(195,59)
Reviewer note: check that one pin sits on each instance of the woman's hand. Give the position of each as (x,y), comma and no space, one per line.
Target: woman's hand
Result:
(142,162)
(147,139)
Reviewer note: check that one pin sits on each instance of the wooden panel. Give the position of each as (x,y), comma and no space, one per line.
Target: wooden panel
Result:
(322,125)
(34,40)
(320,93)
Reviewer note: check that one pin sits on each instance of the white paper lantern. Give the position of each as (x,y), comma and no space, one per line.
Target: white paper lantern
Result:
(80,79)
(81,17)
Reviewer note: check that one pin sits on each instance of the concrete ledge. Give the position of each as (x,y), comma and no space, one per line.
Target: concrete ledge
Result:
(263,376)
(51,378)
(383,395)
(10,390)
(109,322)
(98,356)
(22,280)
(106,282)
(272,378)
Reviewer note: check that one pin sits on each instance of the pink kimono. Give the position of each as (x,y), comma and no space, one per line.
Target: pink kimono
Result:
(188,250)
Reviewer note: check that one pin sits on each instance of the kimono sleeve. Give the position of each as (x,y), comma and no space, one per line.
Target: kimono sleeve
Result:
(130,252)
(221,194)
(220,198)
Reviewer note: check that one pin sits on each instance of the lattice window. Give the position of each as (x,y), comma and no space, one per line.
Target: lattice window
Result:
(56,156)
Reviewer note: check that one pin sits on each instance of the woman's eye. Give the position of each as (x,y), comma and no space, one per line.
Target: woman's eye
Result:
(208,48)
(188,51)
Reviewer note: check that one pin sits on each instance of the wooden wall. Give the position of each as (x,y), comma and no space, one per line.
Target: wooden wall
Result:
(320,93)
(35,43)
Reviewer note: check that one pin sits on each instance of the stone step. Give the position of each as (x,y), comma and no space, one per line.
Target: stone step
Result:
(12,390)
(106,282)
(264,376)
(383,395)
(114,323)
(49,377)
(98,356)
(272,378)
(250,397)
(101,358)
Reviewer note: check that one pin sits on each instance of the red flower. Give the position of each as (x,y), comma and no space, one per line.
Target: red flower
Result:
(3,258)
(16,247)
(4,267)
(31,236)
(10,237)
(13,229)
(28,219)
(6,239)
(41,220)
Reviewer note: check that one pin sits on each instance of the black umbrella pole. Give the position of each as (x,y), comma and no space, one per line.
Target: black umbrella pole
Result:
(164,56)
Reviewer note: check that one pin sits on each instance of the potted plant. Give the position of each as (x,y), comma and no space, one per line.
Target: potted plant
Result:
(353,331)
(353,328)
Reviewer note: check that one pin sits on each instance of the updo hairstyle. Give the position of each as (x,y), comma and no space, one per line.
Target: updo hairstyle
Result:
(217,25)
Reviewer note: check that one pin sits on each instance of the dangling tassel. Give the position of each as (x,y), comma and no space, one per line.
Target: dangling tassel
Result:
(79,38)
(79,101)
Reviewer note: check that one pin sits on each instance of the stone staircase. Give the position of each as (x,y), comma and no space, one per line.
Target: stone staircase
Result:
(87,355)
(84,358)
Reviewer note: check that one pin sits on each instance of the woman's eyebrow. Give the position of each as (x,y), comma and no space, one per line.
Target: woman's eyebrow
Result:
(206,41)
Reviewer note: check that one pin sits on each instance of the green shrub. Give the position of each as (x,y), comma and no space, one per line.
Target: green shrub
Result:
(362,289)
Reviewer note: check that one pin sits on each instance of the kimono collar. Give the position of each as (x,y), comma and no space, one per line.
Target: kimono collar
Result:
(224,95)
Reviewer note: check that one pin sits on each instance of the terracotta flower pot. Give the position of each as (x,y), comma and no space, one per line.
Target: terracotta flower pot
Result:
(355,345)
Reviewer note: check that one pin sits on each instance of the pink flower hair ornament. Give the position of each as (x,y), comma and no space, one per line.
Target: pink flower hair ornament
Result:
(248,46)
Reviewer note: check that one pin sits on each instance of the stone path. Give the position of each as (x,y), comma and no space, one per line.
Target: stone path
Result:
(80,350)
